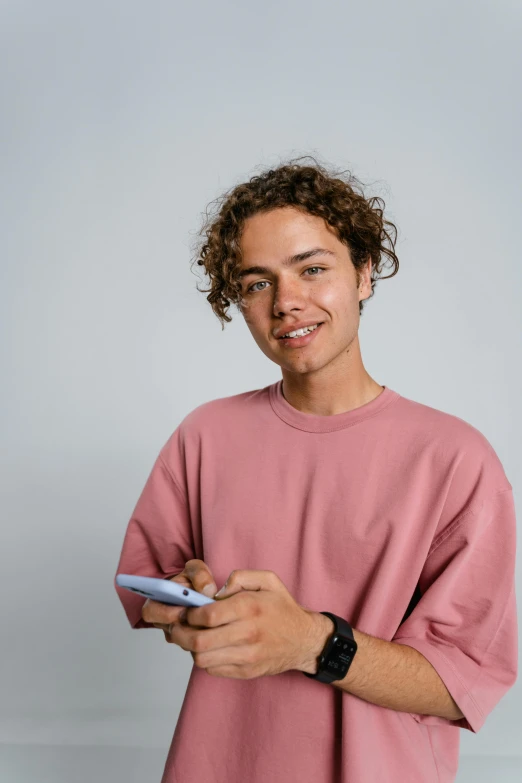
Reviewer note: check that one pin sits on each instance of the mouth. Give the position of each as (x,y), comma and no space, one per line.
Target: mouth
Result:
(298,342)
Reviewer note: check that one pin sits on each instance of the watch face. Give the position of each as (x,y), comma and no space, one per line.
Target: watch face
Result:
(339,655)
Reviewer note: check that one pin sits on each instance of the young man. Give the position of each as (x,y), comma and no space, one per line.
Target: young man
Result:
(366,540)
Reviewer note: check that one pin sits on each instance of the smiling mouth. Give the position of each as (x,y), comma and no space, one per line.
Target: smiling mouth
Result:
(286,337)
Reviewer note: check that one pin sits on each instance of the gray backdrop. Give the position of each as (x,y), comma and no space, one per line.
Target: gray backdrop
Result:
(121,121)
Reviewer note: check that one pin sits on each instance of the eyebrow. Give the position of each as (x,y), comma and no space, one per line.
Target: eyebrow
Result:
(295,259)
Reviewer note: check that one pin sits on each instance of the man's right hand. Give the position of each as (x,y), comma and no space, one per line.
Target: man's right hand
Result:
(197,576)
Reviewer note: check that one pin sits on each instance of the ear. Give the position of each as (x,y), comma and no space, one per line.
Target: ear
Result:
(365,279)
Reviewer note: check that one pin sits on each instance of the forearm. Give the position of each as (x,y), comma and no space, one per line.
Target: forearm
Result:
(387,674)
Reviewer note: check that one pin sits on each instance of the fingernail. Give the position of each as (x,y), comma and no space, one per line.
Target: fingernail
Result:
(209,590)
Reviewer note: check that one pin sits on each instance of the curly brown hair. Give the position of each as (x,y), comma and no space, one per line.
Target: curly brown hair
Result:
(315,189)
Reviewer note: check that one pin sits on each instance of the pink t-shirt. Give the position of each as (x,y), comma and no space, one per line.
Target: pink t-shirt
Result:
(396,516)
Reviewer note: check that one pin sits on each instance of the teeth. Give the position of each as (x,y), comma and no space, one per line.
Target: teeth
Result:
(301,332)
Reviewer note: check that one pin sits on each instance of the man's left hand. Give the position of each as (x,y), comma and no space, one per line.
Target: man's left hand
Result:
(254,628)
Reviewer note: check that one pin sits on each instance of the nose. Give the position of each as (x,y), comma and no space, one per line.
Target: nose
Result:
(287,298)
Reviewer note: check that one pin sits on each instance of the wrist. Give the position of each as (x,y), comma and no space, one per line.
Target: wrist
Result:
(321,628)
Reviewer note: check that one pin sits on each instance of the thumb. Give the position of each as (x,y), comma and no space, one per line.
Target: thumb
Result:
(248,579)
(209,590)
(221,593)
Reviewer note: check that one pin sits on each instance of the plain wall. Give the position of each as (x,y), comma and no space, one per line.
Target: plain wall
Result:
(121,122)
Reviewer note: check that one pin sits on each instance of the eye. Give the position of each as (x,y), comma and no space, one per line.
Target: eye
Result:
(320,268)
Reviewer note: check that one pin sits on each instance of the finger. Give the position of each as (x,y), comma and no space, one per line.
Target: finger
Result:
(220,613)
(201,577)
(169,626)
(181,579)
(158,613)
(212,639)
(167,630)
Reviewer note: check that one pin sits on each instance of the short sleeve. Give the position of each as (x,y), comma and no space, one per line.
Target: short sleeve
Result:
(465,622)
(158,540)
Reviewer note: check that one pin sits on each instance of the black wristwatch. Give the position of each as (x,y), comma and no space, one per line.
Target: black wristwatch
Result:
(338,653)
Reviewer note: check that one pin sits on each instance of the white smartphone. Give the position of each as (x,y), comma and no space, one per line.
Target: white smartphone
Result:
(162,590)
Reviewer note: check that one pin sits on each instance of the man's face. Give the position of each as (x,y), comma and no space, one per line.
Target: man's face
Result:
(322,288)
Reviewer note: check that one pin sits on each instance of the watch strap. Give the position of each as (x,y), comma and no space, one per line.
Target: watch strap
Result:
(341,628)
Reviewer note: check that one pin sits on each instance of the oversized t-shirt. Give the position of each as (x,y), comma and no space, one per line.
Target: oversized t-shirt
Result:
(395,516)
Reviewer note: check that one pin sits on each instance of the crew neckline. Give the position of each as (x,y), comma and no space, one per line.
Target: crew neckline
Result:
(310,422)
